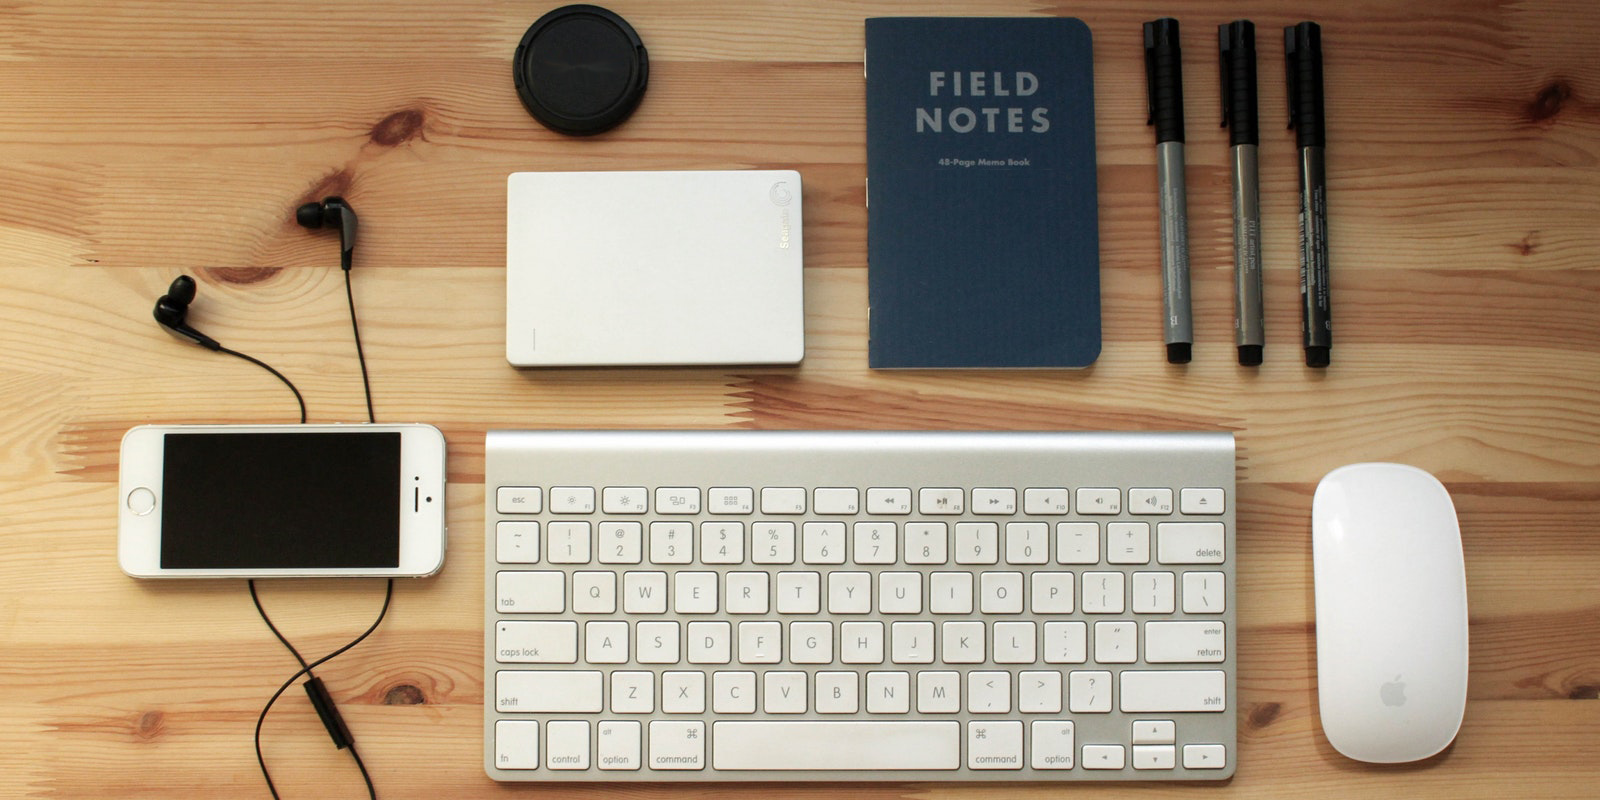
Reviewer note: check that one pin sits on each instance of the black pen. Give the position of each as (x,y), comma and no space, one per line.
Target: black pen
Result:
(1163,69)
(1236,44)
(1302,58)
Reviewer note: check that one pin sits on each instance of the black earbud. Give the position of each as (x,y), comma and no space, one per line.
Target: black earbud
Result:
(172,311)
(332,212)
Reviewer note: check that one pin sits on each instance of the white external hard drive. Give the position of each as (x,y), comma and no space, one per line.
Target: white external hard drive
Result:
(654,268)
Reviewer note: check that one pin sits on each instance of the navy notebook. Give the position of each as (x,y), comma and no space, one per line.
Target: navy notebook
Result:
(983,245)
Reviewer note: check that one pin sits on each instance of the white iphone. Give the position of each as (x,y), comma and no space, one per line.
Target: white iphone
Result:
(270,501)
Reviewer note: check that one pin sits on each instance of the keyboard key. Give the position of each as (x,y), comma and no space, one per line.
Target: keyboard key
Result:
(1066,642)
(836,693)
(1089,692)
(710,642)
(568,542)
(1027,543)
(572,500)
(1149,501)
(1000,593)
(810,642)
(1077,543)
(733,693)
(843,745)
(516,542)
(938,692)
(624,500)
(1039,692)
(927,542)
(567,744)
(822,543)
(644,592)
(530,592)
(547,692)
(900,593)
(1014,642)
(518,500)
(989,693)
(1103,592)
(1153,593)
(1052,745)
(994,502)
(1052,593)
(671,543)
(783,500)
(621,542)
(799,593)
(784,692)
(963,642)
(1201,501)
(861,643)
(1099,501)
(722,542)
(536,642)
(772,543)
(677,745)
(678,500)
(656,642)
(1184,642)
(1154,731)
(516,744)
(836,501)
(941,501)
(694,592)
(730,500)
(759,642)
(1154,756)
(1128,543)
(1189,542)
(1045,502)
(1103,756)
(911,643)
(951,593)
(746,592)
(618,745)
(994,745)
(874,542)
(888,692)
(977,543)
(1203,593)
(683,692)
(1201,690)
(1205,756)
(849,592)
(633,692)
(605,642)
(1116,642)
(888,501)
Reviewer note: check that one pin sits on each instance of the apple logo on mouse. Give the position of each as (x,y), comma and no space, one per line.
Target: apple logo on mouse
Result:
(1393,693)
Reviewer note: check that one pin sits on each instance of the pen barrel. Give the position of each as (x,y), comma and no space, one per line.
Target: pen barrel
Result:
(1178,323)
(1316,322)
(1249,329)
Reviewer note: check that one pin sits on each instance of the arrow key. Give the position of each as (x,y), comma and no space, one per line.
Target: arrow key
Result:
(1205,756)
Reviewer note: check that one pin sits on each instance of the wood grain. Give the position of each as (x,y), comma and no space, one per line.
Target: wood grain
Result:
(146,139)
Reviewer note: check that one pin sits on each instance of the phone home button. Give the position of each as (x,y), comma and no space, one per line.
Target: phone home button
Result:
(141,501)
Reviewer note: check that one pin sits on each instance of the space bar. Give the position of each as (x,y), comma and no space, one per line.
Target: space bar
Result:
(835,745)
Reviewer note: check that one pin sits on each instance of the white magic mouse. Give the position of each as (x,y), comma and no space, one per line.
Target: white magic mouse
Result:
(1391,594)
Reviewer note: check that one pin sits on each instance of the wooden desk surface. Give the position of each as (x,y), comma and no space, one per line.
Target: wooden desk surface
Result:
(144,140)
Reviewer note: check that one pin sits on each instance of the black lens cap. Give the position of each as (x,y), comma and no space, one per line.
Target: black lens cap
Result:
(580,70)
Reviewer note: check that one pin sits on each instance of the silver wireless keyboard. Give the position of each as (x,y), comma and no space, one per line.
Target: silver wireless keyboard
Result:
(840,606)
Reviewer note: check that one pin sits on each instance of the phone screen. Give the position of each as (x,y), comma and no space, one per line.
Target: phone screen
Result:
(281,500)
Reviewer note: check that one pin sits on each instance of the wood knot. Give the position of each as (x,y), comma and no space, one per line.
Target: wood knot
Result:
(1263,714)
(1584,692)
(1549,101)
(1528,245)
(398,128)
(242,276)
(404,695)
(150,725)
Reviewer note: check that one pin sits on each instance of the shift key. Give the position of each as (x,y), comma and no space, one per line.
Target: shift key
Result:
(1177,690)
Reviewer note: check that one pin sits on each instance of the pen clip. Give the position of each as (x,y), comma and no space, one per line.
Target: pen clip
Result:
(1288,74)
(1226,72)
(1150,73)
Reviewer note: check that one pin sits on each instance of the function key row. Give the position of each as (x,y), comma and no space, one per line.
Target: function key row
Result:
(843,501)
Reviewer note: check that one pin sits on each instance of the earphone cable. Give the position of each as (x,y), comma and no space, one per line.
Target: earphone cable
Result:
(280,376)
(355,329)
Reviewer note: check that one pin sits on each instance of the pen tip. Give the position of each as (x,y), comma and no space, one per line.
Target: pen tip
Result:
(1317,356)
(1249,355)
(1178,352)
